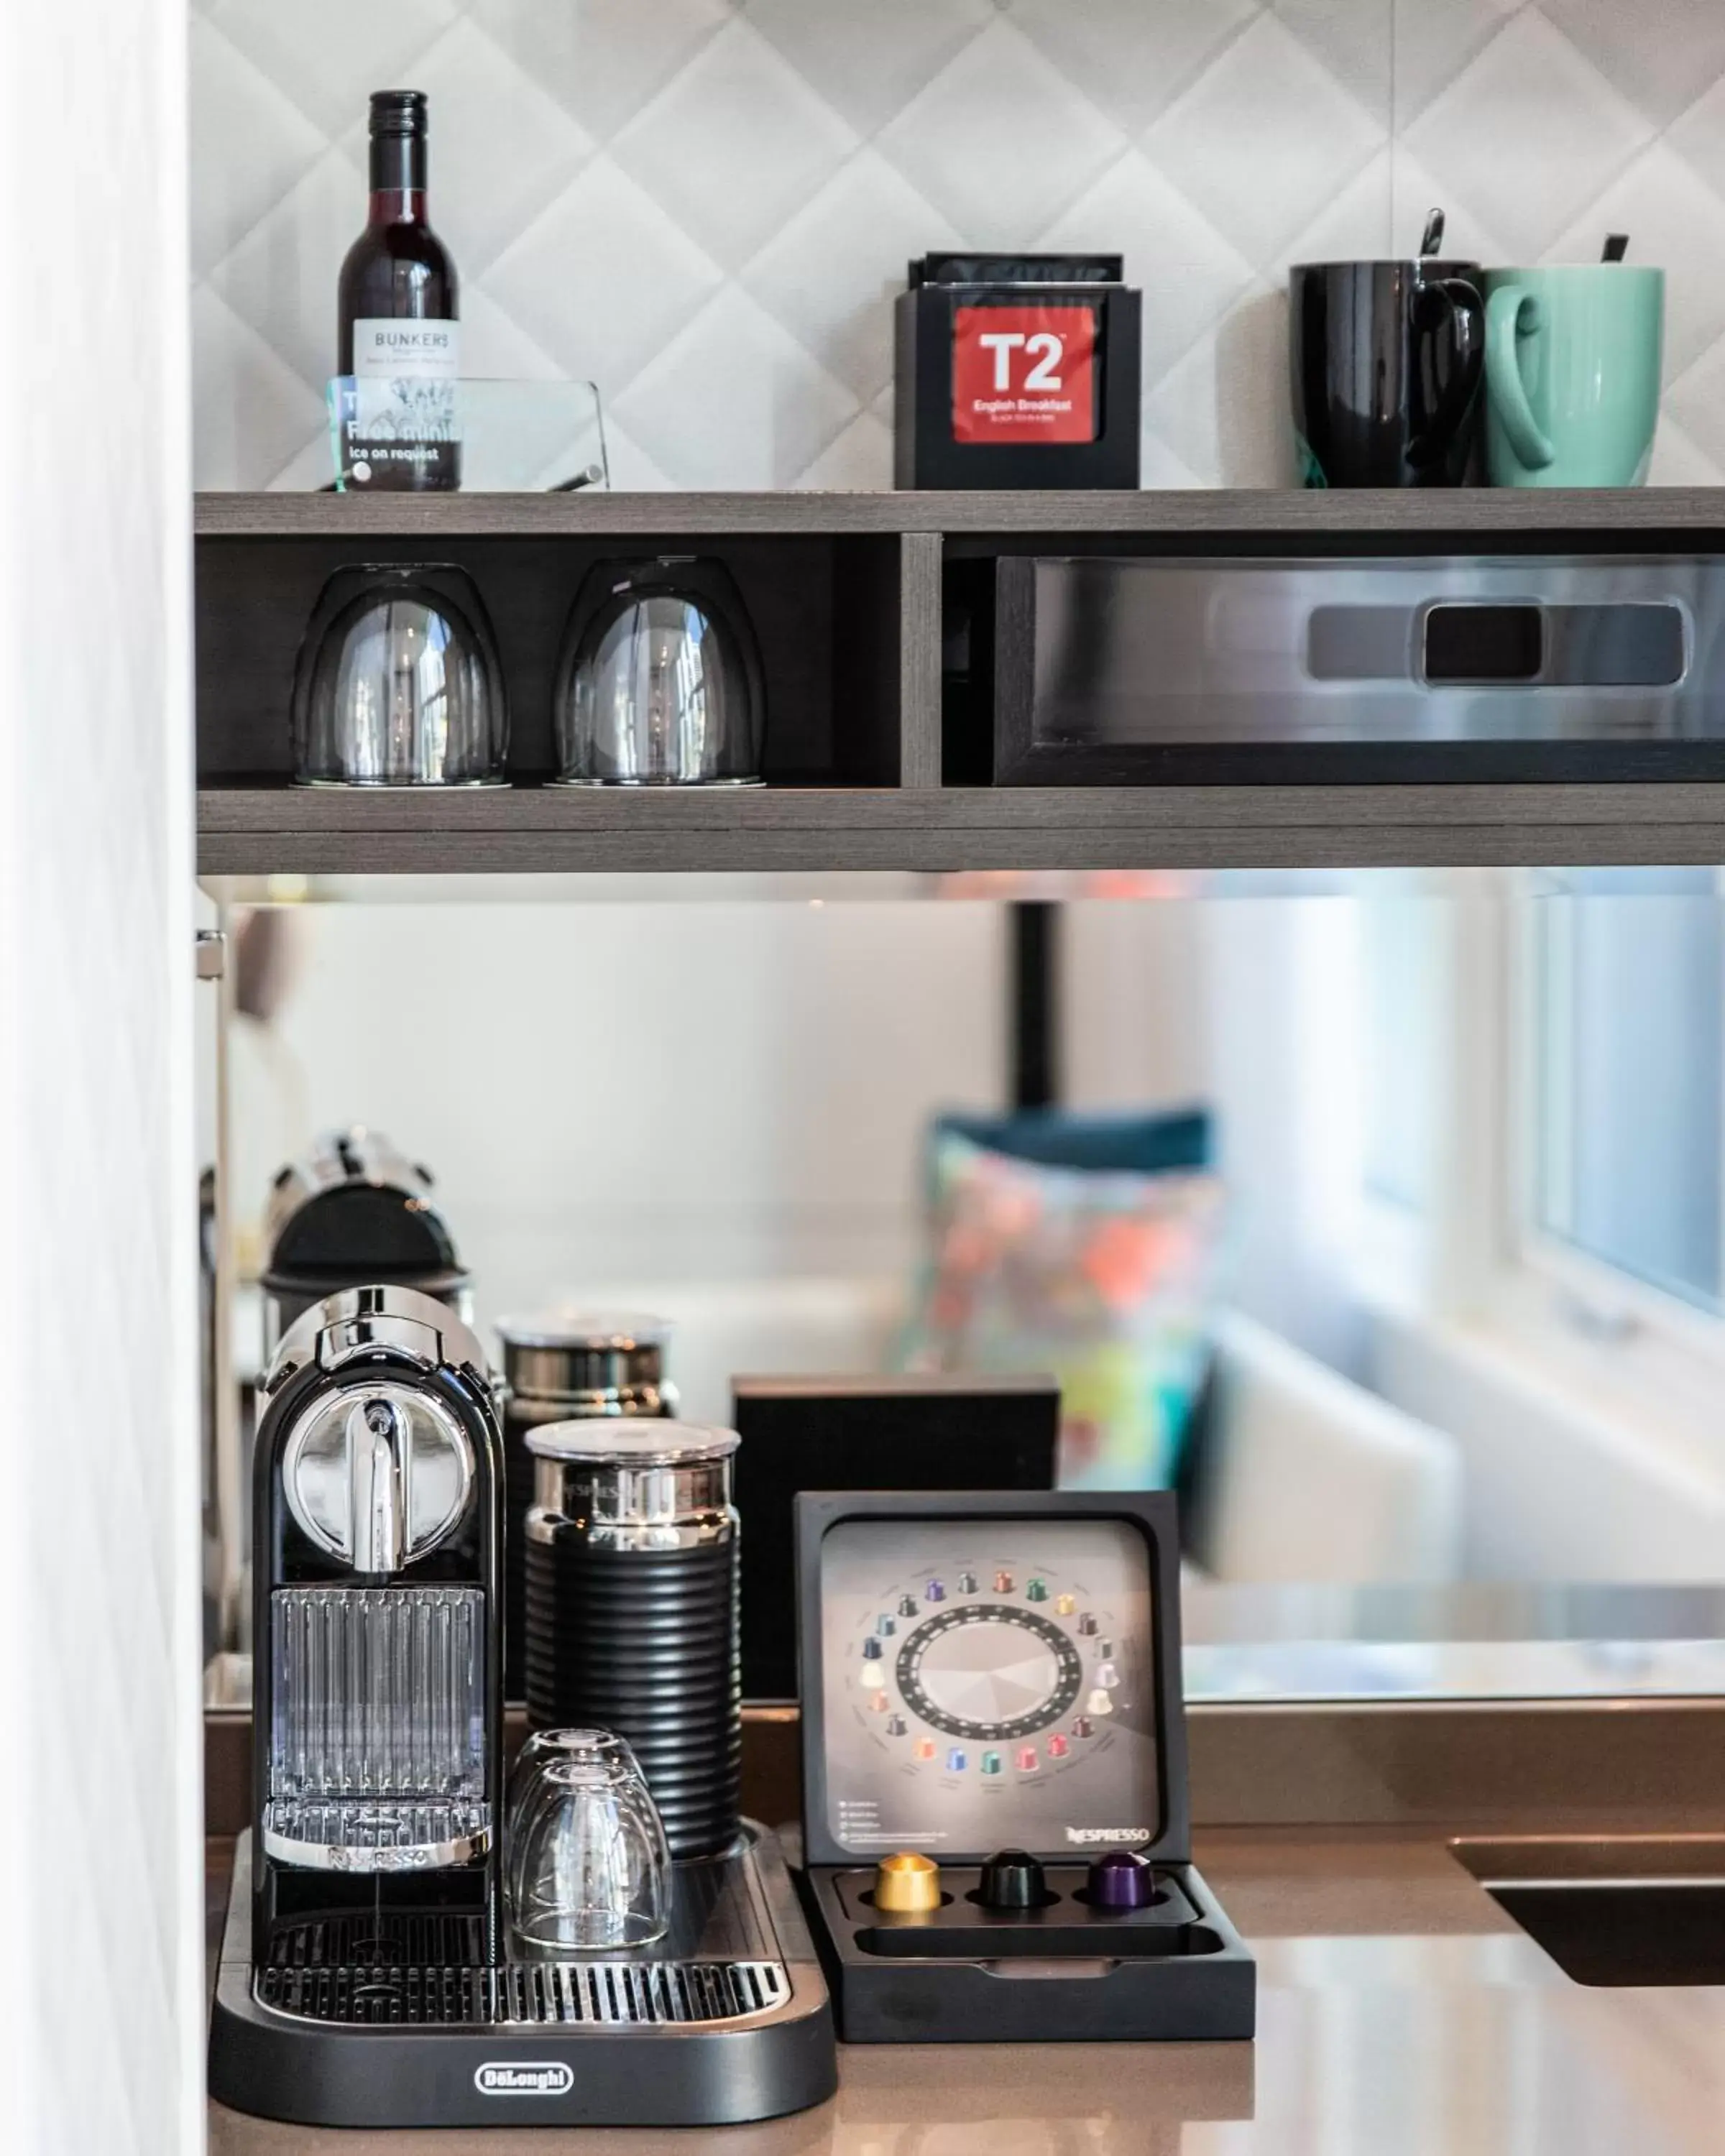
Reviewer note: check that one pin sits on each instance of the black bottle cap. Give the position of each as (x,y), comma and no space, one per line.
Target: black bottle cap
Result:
(1012,1879)
(398,112)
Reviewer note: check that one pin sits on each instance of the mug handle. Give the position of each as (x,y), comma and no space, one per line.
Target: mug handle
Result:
(1466,313)
(1513,314)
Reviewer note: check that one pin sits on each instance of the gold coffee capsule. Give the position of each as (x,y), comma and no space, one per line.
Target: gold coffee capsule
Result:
(907,1885)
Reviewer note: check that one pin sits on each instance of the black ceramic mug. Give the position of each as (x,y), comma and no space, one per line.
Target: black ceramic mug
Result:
(1386,361)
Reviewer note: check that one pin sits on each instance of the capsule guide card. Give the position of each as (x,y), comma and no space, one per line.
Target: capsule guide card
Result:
(988,1681)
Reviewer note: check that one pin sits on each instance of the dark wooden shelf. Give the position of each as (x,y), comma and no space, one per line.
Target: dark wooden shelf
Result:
(250,830)
(1480,511)
(847,591)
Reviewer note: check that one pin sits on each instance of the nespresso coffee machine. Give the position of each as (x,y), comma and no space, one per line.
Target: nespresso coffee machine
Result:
(369,1974)
(377,1684)
(355,1211)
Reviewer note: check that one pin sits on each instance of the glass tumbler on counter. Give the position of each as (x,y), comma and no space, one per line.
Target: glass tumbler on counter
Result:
(660,682)
(588,1869)
(398,683)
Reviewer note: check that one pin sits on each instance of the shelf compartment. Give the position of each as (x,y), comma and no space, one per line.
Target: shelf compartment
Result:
(1199,668)
(845,698)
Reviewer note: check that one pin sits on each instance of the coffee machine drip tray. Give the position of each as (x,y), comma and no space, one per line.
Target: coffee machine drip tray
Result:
(358,1993)
(718,1962)
(343,1834)
(395,2019)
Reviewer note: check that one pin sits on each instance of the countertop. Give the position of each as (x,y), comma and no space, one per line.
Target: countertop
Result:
(1400,2012)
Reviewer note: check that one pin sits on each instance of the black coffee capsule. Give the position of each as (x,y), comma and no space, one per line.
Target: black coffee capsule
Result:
(1012,1879)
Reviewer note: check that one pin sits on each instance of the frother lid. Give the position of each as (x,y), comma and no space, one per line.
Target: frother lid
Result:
(602,1332)
(568,1361)
(646,1443)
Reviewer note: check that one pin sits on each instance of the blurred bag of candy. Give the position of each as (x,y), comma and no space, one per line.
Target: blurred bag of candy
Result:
(1105,1276)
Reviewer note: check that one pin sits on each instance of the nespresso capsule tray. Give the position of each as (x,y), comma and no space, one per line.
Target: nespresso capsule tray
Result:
(999,1674)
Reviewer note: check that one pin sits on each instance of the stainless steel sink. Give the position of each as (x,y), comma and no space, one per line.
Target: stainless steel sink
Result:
(1618,1912)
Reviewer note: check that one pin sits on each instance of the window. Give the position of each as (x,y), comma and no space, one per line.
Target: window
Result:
(1402,1047)
(1626,1020)
(1544,1094)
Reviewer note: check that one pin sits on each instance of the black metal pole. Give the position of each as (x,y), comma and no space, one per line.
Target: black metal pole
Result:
(1034,930)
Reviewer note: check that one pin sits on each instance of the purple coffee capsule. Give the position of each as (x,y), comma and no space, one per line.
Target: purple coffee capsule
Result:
(1121,1880)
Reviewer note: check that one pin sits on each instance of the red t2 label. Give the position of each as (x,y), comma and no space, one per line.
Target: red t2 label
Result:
(1023,374)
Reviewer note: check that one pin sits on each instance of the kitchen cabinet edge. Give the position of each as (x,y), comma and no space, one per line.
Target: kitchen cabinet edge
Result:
(257,831)
(1455,514)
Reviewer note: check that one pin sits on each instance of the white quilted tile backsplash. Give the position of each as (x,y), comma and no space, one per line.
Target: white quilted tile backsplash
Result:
(707,205)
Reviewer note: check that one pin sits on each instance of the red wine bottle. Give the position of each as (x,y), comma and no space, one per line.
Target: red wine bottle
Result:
(399,335)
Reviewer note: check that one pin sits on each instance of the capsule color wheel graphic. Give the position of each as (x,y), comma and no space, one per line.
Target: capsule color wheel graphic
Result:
(989,1670)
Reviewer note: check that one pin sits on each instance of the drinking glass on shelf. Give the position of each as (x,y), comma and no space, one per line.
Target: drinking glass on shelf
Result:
(659,680)
(397,682)
(589,1870)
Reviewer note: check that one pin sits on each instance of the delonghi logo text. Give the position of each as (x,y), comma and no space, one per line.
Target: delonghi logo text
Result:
(552,2078)
(1087,1836)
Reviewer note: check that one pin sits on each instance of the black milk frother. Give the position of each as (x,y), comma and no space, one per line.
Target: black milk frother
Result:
(631,1563)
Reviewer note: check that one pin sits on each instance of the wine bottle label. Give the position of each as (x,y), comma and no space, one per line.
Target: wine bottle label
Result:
(404,378)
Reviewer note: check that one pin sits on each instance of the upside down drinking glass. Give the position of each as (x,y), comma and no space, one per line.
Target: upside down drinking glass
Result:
(587,1865)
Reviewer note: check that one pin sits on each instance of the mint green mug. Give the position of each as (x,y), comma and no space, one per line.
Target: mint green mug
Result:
(1573,361)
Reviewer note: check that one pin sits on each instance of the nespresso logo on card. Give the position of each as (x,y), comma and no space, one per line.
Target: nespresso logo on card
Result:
(1089,1837)
(547,2077)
